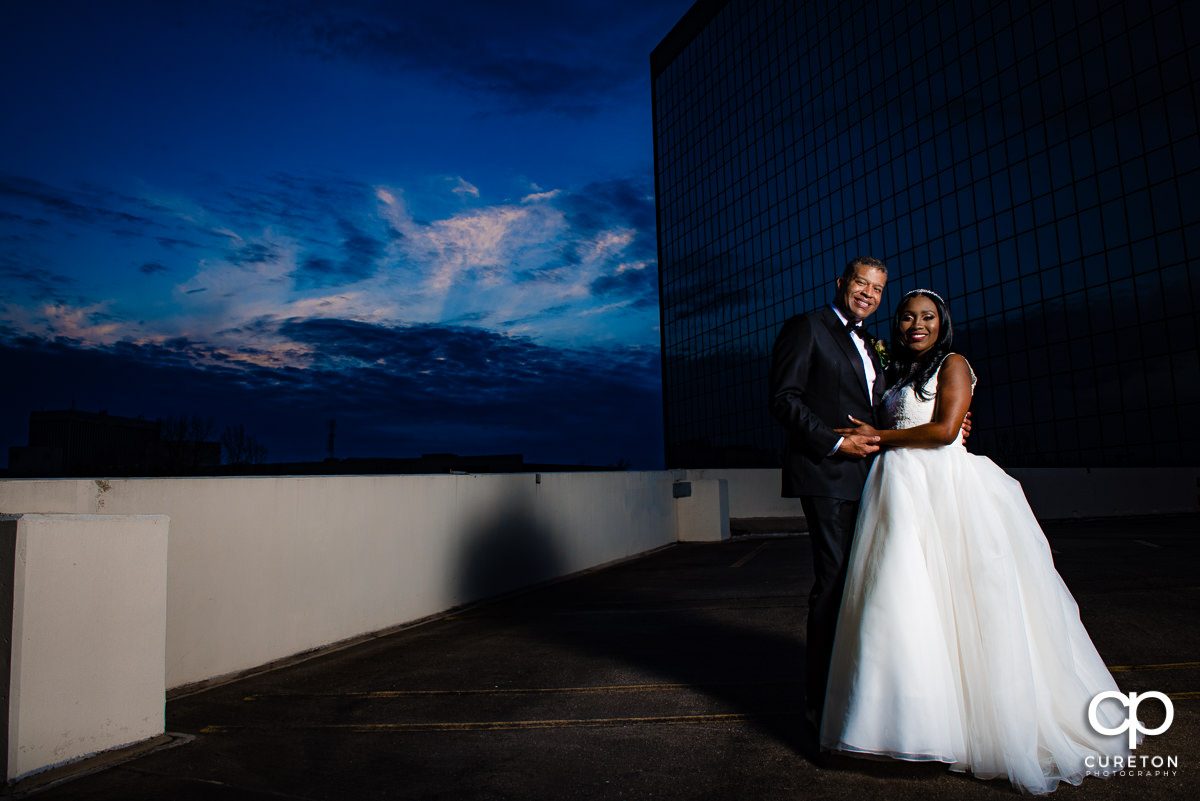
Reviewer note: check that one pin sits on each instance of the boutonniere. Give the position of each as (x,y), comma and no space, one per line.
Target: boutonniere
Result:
(881,350)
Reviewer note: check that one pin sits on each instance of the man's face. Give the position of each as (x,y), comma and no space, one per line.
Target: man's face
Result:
(858,296)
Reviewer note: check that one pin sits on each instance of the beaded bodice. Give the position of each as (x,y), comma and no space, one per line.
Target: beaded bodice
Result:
(905,409)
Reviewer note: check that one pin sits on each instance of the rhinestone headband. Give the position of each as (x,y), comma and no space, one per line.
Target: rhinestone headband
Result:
(923,292)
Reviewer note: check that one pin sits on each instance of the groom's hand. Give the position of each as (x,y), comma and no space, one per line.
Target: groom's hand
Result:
(858,442)
(858,446)
(966,426)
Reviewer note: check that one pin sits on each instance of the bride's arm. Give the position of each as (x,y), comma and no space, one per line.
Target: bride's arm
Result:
(953,401)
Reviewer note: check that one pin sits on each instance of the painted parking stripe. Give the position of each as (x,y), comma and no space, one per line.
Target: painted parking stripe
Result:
(508,725)
(598,690)
(1167,666)
(750,555)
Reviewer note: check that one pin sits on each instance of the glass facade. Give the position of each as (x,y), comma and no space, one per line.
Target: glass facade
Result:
(1035,163)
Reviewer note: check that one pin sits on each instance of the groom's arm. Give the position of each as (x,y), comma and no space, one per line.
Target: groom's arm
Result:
(791,364)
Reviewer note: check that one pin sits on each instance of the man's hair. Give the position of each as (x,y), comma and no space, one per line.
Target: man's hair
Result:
(865,261)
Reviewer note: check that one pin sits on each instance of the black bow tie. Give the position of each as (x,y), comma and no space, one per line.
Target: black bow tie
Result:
(855,328)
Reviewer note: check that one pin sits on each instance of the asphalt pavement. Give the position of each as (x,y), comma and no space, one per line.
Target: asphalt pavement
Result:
(676,675)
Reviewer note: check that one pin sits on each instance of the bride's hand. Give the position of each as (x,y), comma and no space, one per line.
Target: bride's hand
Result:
(859,428)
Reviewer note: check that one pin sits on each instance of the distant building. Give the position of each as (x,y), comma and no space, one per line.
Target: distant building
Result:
(1036,163)
(72,443)
(429,463)
(64,444)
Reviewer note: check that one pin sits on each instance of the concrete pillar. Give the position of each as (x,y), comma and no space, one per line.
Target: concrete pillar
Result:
(83,619)
(702,510)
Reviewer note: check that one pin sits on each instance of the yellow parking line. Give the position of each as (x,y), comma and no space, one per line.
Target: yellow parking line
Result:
(499,725)
(614,688)
(1183,696)
(750,555)
(1168,666)
(1147,544)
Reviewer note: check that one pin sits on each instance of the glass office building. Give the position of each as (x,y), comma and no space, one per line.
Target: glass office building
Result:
(1035,163)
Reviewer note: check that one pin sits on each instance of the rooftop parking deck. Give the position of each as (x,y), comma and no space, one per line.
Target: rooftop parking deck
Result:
(677,675)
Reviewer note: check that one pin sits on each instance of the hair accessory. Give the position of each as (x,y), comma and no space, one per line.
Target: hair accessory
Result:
(925,292)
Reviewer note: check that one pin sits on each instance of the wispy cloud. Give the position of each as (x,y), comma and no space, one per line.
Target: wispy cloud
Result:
(34,280)
(559,266)
(350,203)
(465,188)
(536,55)
(401,312)
(81,206)
(253,253)
(91,324)
(359,258)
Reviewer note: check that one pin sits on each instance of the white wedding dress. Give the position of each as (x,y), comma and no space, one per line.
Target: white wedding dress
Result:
(957,640)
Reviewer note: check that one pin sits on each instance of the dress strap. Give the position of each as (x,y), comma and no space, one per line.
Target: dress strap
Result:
(970,369)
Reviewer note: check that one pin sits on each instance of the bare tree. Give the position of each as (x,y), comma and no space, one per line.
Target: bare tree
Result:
(187,443)
(242,448)
(185,428)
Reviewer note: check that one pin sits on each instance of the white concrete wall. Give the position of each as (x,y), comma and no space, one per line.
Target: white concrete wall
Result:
(264,568)
(86,597)
(260,569)
(1053,493)
(752,493)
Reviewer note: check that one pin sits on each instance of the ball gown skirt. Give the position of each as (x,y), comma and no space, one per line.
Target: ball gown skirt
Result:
(957,640)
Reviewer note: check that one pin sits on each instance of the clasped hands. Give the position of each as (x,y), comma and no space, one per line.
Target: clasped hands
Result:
(862,440)
(858,442)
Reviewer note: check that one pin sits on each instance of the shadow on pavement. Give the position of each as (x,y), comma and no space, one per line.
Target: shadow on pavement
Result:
(707,638)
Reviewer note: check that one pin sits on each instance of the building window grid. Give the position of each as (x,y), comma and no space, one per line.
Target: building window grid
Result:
(918,238)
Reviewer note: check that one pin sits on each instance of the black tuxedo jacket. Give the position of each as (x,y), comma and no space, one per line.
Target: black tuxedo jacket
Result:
(816,380)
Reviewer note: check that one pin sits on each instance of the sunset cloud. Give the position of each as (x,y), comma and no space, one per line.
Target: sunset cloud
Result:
(359,210)
(552,266)
(392,390)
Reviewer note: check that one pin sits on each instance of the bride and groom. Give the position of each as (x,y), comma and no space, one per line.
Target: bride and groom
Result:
(938,628)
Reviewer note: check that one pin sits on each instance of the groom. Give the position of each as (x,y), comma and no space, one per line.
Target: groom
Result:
(823,368)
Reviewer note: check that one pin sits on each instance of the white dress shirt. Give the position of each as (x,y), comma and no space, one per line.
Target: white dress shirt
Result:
(868,366)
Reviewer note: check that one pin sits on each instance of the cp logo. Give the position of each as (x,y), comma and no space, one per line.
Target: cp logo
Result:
(1131,724)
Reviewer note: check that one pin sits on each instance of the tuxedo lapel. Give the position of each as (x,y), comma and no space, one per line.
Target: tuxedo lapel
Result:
(844,342)
(880,382)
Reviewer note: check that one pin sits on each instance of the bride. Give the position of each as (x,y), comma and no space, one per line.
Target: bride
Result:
(957,640)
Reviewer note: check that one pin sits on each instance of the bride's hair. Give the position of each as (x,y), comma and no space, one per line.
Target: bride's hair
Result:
(910,368)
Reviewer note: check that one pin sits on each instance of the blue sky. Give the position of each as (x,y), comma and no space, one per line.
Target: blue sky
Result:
(432,222)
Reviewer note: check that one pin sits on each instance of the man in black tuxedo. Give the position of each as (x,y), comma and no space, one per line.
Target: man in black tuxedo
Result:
(824,368)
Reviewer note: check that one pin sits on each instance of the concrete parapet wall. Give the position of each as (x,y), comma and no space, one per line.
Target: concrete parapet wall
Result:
(84,599)
(1054,493)
(261,569)
(752,492)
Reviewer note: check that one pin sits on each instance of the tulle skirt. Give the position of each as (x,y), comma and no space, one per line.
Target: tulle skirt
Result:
(957,640)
